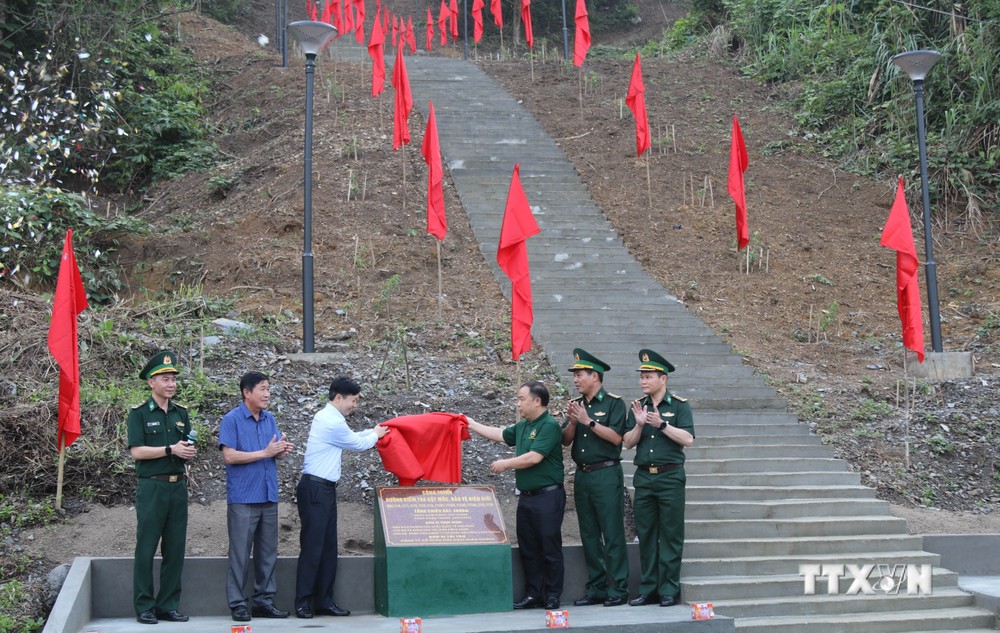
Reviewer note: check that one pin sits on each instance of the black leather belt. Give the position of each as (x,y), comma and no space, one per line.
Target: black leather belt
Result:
(321,481)
(589,468)
(653,470)
(169,478)
(532,493)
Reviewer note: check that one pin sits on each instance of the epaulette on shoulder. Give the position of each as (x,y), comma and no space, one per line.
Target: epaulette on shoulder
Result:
(138,406)
(678,398)
(180,406)
(614,395)
(577,399)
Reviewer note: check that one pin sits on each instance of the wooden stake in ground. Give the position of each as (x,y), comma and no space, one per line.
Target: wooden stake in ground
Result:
(440,285)
(580,85)
(61,470)
(531,56)
(402,156)
(649,182)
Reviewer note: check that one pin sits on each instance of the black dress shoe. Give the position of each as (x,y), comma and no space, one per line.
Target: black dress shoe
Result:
(146,617)
(669,601)
(614,601)
(528,602)
(171,616)
(240,613)
(334,610)
(643,599)
(304,613)
(552,602)
(268,611)
(587,600)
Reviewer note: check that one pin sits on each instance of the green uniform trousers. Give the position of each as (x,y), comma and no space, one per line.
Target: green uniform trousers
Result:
(161,510)
(659,524)
(600,509)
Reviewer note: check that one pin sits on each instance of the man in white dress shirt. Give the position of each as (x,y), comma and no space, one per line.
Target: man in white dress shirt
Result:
(329,436)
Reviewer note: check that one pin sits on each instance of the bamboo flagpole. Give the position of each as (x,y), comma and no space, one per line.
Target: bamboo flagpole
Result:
(649,182)
(62,469)
(440,285)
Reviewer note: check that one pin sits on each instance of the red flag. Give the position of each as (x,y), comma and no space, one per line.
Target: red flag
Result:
(497,12)
(348,16)
(404,102)
(385,20)
(312,10)
(738,161)
(359,23)
(898,235)
(411,39)
(338,18)
(437,223)
(430,29)
(636,102)
(512,257)
(327,13)
(70,300)
(395,31)
(581,43)
(477,20)
(443,16)
(454,19)
(526,20)
(377,53)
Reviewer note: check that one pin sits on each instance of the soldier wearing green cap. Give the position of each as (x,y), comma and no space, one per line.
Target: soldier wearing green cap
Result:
(660,426)
(158,439)
(594,426)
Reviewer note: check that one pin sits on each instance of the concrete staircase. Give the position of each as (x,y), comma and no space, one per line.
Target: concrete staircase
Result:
(764,496)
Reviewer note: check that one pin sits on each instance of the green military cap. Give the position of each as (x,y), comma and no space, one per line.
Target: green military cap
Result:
(651,361)
(584,360)
(161,363)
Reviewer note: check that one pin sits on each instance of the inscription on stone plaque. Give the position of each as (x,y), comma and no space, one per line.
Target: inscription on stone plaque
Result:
(441,515)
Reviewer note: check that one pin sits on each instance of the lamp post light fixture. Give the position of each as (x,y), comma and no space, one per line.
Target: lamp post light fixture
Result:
(917,64)
(312,37)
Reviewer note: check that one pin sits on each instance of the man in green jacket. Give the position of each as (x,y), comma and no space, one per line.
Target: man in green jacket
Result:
(159,442)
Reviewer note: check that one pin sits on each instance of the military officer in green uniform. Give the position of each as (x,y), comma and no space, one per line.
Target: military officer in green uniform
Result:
(538,474)
(595,424)
(660,427)
(158,439)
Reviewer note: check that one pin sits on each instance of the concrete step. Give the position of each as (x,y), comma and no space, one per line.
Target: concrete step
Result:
(843,546)
(832,509)
(818,478)
(777,493)
(842,604)
(736,450)
(783,586)
(752,442)
(789,564)
(795,528)
(750,418)
(704,426)
(766,465)
(890,622)
(786,586)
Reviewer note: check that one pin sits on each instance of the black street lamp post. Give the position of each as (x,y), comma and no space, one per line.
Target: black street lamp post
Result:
(312,37)
(917,64)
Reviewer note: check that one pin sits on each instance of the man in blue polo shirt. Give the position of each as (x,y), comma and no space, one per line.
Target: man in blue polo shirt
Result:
(250,443)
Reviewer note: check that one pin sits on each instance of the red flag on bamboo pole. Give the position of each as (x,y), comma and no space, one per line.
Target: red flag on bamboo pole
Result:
(526,20)
(512,257)
(348,17)
(312,10)
(385,20)
(359,23)
(338,18)
(497,11)
(327,12)
(69,301)
(581,43)
(477,20)
(403,102)
(898,235)
(377,53)
(395,31)
(443,15)
(437,223)
(411,38)
(430,29)
(738,161)
(454,19)
(636,102)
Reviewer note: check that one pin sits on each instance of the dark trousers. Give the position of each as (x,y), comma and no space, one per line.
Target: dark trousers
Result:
(252,526)
(539,539)
(161,512)
(317,568)
(659,524)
